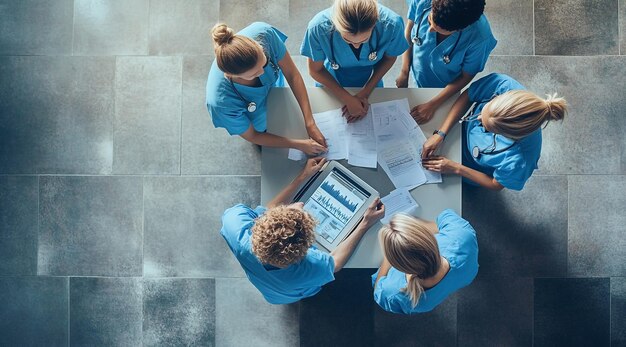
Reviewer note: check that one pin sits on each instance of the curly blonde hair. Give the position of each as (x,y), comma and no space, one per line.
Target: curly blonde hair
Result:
(282,236)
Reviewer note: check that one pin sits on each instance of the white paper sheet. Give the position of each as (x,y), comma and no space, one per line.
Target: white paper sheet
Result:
(399,200)
(400,161)
(296,155)
(362,145)
(333,125)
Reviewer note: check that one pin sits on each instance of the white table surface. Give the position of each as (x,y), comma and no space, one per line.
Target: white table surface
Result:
(284,118)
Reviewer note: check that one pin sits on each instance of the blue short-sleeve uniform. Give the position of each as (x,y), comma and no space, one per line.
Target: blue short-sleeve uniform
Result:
(278,286)
(510,162)
(468,49)
(457,243)
(387,39)
(227,109)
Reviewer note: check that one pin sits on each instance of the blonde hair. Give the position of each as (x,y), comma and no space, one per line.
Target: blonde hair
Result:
(355,16)
(518,113)
(410,247)
(282,236)
(234,54)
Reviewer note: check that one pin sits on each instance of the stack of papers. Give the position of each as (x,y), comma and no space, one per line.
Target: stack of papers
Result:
(399,200)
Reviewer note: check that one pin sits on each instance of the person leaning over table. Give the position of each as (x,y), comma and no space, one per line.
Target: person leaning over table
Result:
(501,133)
(424,262)
(247,65)
(274,244)
(353,44)
(450,43)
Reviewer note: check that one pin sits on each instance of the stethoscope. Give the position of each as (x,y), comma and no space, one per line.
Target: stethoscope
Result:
(373,56)
(491,149)
(417,40)
(251,104)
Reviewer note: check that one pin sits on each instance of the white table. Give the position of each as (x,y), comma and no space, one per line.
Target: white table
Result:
(284,118)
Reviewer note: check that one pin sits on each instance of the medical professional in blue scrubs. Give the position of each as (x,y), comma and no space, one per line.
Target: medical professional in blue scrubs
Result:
(501,133)
(353,44)
(274,244)
(247,65)
(424,262)
(450,43)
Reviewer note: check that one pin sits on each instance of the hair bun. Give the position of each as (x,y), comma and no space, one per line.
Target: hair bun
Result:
(222,34)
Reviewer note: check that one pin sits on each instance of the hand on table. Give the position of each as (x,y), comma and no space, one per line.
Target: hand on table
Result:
(310,147)
(315,133)
(355,108)
(375,211)
(441,164)
(431,145)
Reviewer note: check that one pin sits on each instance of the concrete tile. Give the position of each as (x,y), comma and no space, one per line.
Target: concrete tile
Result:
(183,222)
(239,304)
(576,27)
(520,233)
(238,14)
(571,312)
(90,226)
(179,312)
(618,311)
(19,197)
(435,328)
(512,24)
(302,65)
(300,13)
(496,311)
(169,37)
(398,6)
(111,27)
(597,226)
(105,311)
(57,114)
(36,27)
(342,313)
(593,88)
(207,150)
(147,115)
(34,311)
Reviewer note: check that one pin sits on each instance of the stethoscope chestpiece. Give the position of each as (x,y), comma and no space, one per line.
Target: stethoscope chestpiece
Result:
(476,152)
(334,66)
(372,56)
(446,59)
(417,41)
(251,106)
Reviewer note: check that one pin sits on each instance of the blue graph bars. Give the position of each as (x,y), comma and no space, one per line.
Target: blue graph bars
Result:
(326,203)
(335,193)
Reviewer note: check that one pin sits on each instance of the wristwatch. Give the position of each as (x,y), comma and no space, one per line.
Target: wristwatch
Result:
(440,133)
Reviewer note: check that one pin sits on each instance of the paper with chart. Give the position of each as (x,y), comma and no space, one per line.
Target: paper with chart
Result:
(361,148)
(399,200)
(333,125)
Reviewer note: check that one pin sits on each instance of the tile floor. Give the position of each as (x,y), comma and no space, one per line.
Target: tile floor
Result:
(112,183)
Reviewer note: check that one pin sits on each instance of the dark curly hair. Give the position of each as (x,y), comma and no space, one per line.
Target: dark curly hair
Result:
(455,15)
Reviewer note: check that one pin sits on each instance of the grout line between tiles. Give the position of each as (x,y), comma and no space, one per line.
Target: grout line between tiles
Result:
(69,317)
(38,224)
(534,36)
(620,39)
(180,148)
(143,223)
(73,26)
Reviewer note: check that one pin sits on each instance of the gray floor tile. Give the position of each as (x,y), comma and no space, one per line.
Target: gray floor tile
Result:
(496,311)
(597,226)
(33,311)
(520,233)
(571,312)
(205,149)
(512,24)
(179,312)
(398,6)
(90,226)
(389,80)
(300,13)
(56,114)
(238,14)
(105,311)
(169,37)
(147,115)
(183,222)
(36,27)
(342,313)
(243,317)
(435,328)
(576,27)
(113,27)
(618,311)
(593,88)
(19,197)
(302,65)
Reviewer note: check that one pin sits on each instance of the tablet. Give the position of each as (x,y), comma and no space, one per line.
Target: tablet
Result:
(337,199)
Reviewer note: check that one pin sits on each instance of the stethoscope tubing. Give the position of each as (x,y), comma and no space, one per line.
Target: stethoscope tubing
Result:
(417,40)
(373,56)
(251,105)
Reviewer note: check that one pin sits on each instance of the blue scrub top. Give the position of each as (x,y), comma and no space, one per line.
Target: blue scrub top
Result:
(457,243)
(278,286)
(470,54)
(387,39)
(227,109)
(513,167)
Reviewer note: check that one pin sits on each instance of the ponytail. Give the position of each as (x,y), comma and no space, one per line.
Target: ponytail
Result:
(234,53)
(556,107)
(414,289)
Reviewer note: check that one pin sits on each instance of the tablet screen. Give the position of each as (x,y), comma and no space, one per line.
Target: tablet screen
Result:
(334,203)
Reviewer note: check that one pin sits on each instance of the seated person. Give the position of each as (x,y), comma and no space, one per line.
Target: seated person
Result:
(424,262)
(274,245)
(501,134)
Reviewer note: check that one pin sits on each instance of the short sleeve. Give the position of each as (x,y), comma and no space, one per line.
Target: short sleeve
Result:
(397,44)
(449,220)
(236,123)
(412,4)
(386,298)
(311,46)
(234,220)
(484,88)
(277,41)
(512,175)
(477,55)
(321,269)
